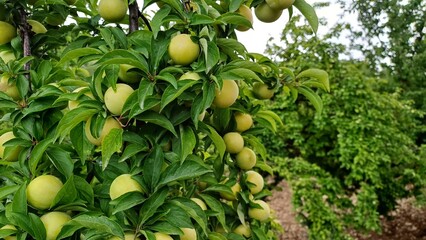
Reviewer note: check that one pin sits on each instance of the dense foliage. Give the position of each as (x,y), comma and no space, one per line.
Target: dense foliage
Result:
(352,162)
(119,126)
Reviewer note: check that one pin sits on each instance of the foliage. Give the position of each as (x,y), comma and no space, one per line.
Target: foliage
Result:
(352,162)
(164,141)
(396,45)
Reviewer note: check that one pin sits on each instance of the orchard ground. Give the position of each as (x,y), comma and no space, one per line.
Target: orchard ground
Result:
(407,222)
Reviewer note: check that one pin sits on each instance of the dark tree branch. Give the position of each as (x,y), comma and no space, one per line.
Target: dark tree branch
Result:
(133,17)
(25,31)
(145,20)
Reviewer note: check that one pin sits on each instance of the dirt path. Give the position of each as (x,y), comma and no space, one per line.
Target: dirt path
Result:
(407,222)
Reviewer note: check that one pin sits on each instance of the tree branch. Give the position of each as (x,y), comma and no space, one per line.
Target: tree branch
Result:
(133,17)
(25,31)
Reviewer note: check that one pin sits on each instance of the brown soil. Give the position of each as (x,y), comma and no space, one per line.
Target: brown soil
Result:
(407,222)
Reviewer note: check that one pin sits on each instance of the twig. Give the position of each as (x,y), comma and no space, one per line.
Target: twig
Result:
(145,20)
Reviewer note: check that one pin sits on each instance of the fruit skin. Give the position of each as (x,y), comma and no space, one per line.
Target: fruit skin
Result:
(279,4)
(7,56)
(235,189)
(262,214)
(190,75)
(188,234)
(246,159)
(127,236)
(53,222)
(42,190)
(36,26)
(128,77)
(123,184)
(243,121)
(200,203)
(8,32)
(234,142)
(246,12)
(73,104)
(162,236)
(243,230)
(11,227)
(9,88)
(227,95)
(115,99)
(255,178)
(13,156)
(261,91)
(112,10)
(266,14)
(182,50)
(109,124)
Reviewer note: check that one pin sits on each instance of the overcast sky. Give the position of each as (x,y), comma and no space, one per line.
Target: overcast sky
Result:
(255,39)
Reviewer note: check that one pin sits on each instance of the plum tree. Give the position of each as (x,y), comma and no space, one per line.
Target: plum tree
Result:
(261,213)
(279,4)
(8,32)
(243,121)
(136,119)
(234,142)
(227,95)
(123,184)
(110,123)
(53,222)
(14,153)
(162,236)
(188,234)
(9,88)
(256,181)
(112,10)
(267,14)
(182,50)
(115,98)
(42,190)
(246,159)
(262,91)
(247,13)
(243,230)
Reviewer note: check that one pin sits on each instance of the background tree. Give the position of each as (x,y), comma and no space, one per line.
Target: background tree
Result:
(352,162)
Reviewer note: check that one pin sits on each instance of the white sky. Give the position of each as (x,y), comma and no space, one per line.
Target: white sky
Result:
(255,39)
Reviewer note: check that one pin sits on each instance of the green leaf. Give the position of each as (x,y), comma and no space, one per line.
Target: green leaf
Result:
(61,159)
(71,119)
(76,53)
(216,138)
(7,190)
(171,93)
(120,56)
(111,144)
(217,207)
(240,74)
(101,224)
(158,49)
(308,12)
(37,153)
(150,206)
(157,119)
(145,89)
(84,190)
(157,20)
(193,210)
(19,203)
(127,201)
(321,77)
(152,167)
(81,145)
(181,171)
(200,19)
(67,194)
(312,97)
(187,141)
